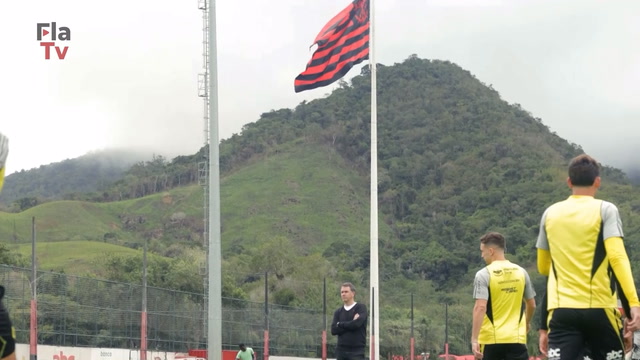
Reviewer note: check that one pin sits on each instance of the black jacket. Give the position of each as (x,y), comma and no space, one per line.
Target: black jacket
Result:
(6,330)
(352,334)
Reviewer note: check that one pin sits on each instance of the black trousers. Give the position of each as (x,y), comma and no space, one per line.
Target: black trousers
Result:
(505,352)
(593,332)
(350,354)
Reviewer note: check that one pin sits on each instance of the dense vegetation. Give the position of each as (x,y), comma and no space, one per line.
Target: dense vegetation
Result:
(67,178)
(455,161)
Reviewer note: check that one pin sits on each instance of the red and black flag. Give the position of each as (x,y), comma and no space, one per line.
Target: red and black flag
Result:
(342,43)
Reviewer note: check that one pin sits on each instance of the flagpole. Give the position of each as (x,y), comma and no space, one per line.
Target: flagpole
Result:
(214,261)
(374,329)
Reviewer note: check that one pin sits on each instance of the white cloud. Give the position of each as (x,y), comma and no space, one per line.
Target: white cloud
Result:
(130,76)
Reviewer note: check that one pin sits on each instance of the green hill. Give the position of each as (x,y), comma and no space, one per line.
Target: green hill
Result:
(306,192)
(56,181)
(275,196)
(124,223)
(455,161)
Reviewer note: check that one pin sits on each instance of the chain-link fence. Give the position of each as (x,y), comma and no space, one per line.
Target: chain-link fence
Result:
(82,311)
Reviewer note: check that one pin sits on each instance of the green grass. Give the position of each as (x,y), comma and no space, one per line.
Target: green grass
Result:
(72,257)
(82,221)
(57,221)
(304,192)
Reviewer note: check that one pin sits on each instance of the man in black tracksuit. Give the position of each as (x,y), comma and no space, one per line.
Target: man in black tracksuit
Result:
(350,324)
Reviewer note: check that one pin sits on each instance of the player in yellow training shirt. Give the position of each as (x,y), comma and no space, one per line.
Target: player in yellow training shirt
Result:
(4,151)
(580,248)
(505,303)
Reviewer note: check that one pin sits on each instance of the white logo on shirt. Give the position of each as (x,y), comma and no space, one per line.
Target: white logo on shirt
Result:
(614,354)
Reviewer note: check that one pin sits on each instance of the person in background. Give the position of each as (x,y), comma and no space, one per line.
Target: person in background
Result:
(505,303)
(245,353)
(7,332)
(4,152)
(350,325)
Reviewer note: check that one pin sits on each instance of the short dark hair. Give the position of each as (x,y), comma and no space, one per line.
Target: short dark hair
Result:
(241,345)
(349,285)
(583,170)
(493,238)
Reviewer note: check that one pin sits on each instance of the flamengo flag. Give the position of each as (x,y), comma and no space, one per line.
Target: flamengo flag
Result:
(342,43)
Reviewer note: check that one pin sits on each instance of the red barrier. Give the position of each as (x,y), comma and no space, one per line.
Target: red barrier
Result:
(229,354)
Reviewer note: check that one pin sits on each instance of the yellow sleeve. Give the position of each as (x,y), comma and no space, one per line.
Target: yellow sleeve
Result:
(544,262)
(1,178)
(619,262)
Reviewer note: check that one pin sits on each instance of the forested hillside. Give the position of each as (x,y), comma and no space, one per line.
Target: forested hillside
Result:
(455,161)
(66,179)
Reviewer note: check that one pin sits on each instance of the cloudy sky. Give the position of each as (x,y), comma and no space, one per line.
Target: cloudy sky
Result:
(130,74)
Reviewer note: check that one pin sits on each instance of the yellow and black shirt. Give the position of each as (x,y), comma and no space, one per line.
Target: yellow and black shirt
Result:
(504,285)
(571,249)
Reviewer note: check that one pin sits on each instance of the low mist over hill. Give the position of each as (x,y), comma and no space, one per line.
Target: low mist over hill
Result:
(87,173)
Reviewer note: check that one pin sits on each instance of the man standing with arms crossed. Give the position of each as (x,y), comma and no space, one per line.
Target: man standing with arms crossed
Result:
(7,333)
(581,251)
(350,324)
(505,303)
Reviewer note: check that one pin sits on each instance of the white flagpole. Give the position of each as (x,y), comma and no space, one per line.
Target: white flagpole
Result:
(214,309)
(374,327)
